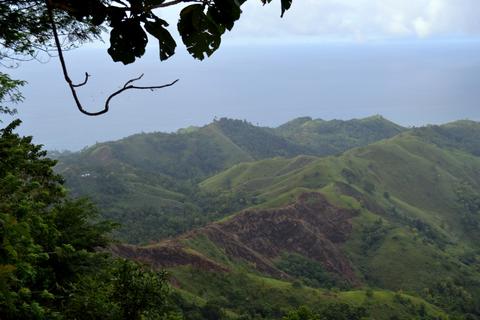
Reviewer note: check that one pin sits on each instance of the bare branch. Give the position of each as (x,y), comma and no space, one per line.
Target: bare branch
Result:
(121,2)
(127,86)
(133,80)
(171,3)
(84,81)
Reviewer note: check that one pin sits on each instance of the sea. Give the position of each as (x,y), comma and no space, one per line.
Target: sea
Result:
(412,83)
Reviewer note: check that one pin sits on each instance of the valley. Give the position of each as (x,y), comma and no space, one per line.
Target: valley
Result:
(362,212)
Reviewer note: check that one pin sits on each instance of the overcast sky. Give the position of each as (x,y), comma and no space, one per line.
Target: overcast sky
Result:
(413,61)
(360,20)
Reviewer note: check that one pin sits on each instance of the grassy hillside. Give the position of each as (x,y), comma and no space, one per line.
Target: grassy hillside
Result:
(418,207)
(260,264)
(149,182)
(390,228)
(248,296)
(333,137)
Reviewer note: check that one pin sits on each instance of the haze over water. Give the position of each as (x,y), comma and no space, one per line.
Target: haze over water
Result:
(409,82)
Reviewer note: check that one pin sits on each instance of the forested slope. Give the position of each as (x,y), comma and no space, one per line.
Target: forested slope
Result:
(402,214)
(149,182)
(335,136)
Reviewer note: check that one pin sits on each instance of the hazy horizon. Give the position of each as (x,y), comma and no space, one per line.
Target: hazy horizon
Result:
(413,62)
(177,130)
(411,83)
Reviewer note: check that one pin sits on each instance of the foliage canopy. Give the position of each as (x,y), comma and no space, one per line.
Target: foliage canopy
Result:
(31,26)
(25,25)
(50,263)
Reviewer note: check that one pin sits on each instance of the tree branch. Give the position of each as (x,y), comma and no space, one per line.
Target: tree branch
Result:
(127,86)
(172,3)
(84,81)
(68,8)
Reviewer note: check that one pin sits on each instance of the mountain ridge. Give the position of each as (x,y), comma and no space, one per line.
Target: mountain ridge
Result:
(155,176)
(400,214)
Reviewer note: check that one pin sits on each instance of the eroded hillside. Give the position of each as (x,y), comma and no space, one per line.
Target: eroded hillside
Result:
(149,182)
(400,214)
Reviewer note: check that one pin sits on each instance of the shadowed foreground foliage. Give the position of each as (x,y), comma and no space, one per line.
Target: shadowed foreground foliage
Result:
(50,263)
(53,262)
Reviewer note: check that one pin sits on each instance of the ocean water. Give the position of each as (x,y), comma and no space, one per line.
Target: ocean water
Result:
(411,83)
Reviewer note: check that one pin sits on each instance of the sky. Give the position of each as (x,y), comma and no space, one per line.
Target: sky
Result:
(412,61)
(361,20)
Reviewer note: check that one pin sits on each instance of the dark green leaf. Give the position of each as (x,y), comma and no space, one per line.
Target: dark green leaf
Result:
(136,7)
(99,15)
(127,41)
(152,3)
(166,42)
(200,34)
(115,16)
(286,4)
(225,12)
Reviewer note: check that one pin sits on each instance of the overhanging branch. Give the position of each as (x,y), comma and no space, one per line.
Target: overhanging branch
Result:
(172,3)
(127,86)
(124,6)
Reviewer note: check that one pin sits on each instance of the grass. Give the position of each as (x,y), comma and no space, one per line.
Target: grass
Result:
(421,240)
(242,292)
(409,234)
(202,244)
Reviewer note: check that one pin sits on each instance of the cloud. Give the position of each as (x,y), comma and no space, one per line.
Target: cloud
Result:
(361,19)
(422,27)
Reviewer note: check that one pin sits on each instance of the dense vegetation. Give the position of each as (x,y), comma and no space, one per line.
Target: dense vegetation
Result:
(418,204)
(407,209)
(50,263)
(249,296)
(335,136)
(150,182)
(399,221)
(414,196)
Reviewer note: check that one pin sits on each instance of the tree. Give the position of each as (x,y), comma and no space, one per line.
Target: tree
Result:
(47,240)
(302,313)
(9,94)
(333,311)
(50,263)
(30,26)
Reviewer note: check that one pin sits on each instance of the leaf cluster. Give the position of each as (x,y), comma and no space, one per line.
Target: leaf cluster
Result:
(334,311)
(51,262)
(25,26)
(9,93)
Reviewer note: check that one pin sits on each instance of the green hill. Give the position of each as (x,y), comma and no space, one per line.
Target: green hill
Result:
(401,214)
(262,263)
(391,227)
(333,137)
(149,182)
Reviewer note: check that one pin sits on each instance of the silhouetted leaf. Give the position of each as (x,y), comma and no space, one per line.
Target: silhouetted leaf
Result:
(127,41)
(200,34)
(99,15)
(149,3)
(286,4)
(166,42)
(136,6)
(115,16)
(225,12)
